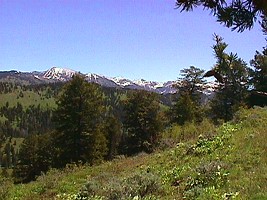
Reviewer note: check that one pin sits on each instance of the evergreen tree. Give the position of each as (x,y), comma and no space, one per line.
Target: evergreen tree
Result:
(79,123)
(233,92)
(191,82)
(237,14)
(143,122)
(188,106)
(259,79)
(36,155)
(114,132)
(184,110)
(7,151)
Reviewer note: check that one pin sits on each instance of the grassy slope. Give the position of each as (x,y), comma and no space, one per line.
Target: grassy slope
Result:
(29,98)
(224,163)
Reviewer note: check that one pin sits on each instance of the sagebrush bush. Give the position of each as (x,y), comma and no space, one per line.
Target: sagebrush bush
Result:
(139,185)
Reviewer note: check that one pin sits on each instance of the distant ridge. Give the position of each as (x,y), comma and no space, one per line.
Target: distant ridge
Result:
(65,74)
(58,74)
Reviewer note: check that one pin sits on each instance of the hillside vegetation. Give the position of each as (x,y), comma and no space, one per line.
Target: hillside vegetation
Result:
(195,162)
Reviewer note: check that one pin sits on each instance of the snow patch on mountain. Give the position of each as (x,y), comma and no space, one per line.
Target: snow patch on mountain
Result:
(123,82)
(102,80)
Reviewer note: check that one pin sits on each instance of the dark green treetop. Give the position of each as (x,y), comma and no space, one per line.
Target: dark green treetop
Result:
(191,82)
(142,122)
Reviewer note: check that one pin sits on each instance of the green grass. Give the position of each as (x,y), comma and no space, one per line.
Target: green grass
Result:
(198,162)
(29,98)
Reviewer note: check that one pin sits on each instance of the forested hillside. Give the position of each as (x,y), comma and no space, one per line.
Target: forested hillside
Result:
(27,110)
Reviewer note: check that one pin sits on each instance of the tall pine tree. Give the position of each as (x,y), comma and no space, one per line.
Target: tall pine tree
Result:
(259,79)
(143,122)
(79,123)
(188,106)
(233,92)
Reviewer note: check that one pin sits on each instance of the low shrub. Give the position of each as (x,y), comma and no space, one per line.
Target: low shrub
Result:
(139,185)
(183,133)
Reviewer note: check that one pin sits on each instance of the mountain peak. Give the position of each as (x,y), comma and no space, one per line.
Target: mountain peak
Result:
(61,74)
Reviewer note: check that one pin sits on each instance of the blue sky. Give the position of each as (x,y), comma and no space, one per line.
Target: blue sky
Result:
(131,38)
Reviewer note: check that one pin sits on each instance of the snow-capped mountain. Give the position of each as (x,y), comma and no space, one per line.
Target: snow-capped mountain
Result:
(148,85)
(60,74)
(122,81)
(63,74)
(101,80)
(126,83)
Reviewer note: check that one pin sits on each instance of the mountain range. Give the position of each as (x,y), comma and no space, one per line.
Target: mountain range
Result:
(56,74)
